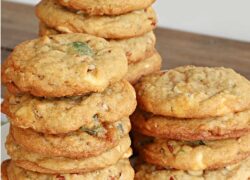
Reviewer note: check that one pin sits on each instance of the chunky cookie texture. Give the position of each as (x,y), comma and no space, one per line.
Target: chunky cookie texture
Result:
(194,92)
(196,155)
(135,23)
(78,144)
(108,7)
(121,170)
(233,172)
(232,125)
(54,165)
(63,115)
(63,65)
(136,48)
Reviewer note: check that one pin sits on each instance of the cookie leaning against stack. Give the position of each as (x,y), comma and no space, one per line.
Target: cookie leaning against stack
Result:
(195,122)
(128,25)
(68,109)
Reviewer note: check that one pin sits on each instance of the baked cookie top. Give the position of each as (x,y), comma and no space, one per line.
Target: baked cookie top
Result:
(237,171)
(78,144)
(63,115)
(63,65)
(196,155)
(53,165)
(121,170)
(106,7)
(128,25)
(194,92)
(136,48)
(232,125)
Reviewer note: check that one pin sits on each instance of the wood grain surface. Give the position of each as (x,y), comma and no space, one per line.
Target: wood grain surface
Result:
(176,47)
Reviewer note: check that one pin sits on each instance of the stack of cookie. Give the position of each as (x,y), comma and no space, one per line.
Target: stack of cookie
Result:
(194,123)
(69,108)
(127,24)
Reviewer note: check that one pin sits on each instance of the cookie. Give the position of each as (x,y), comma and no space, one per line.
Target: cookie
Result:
(128,25)
(196,155)
(239,171)
(121,170)
(232,125)
(144,67)
(78,144)
(63,65)
(44,30)
(194,92)
(4,166)
(136,48)
(45,164)
(110,7)
(63,115)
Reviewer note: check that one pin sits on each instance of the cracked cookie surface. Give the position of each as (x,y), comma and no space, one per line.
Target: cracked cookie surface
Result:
(232,125)
(194,92)
(78,144)
(63,115)
(196,155)
(63,65)
(128,25)
(136,48)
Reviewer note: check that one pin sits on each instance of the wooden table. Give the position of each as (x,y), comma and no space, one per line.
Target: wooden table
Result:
(176,47)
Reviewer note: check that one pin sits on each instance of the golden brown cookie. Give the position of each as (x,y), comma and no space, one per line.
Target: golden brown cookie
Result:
(44,30)
(106,7)
(62,115)
(239,171)
(194,92)
(232,125)
(136,48)
(63,65)
(143,67)
(45,164)
(4,166)
(78,144)
(121,170)
(129,25)
(196,155)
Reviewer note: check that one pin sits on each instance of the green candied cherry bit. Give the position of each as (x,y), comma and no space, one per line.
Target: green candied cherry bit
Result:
(82,48)
(197,143)
(120,127)
(95,118)
(95,131)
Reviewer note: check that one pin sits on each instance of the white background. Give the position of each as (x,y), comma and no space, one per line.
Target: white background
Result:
(225,18)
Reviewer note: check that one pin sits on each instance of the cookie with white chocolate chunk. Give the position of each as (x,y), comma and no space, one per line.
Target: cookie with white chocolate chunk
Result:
(121,170)
(63,115)
(53,165)
(238,171)
(63,65)
(194,92)
(135,23)
(196,155)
